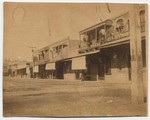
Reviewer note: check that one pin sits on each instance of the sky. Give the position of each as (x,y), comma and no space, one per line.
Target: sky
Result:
(40,24)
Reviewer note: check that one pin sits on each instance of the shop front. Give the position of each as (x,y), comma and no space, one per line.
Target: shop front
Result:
(111,64)
(117,66)
(79,67)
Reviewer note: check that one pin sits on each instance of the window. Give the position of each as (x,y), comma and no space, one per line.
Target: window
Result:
(142,20)
(143,52)
(120,25)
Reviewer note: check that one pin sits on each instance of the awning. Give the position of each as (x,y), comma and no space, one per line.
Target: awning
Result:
(50,66)
(21,66)
(79,63)
(28,70)
(36,69)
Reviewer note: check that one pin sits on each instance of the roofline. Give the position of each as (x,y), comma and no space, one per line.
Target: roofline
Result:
(52,44)
(93,26)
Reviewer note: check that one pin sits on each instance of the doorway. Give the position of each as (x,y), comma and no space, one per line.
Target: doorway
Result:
(59,70)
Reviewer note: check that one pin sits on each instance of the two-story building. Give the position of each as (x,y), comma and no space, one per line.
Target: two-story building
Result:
(53,61)
(105,49)
(103,52)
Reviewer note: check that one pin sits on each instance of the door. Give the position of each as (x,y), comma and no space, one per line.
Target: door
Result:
(59,70)
(101,70)
(92,67)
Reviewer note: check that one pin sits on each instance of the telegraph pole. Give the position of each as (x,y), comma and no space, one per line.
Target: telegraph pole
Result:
(32,48)
(137,88)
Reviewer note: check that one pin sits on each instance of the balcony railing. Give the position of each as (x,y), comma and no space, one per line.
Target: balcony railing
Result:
(89,46)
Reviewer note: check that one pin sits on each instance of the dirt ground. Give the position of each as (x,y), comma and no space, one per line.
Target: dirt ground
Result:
(64,98)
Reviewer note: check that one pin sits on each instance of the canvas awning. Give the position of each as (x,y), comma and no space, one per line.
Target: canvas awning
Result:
(79,63)
(21,66)
(50,66)
(36,69)
(28,70)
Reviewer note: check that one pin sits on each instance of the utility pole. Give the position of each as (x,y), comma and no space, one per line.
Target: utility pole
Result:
(32,48)
(137,89)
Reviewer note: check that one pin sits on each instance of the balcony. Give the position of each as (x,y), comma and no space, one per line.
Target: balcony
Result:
(103,40)
(107,32)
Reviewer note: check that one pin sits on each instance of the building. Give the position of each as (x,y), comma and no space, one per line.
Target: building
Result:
(105,49)
(53,60)
(103,53)
(12,69)
(24,69)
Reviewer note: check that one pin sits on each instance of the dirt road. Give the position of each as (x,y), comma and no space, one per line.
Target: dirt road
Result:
(60,98)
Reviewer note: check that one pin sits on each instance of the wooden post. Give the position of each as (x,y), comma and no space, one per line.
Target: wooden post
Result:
(146,39)
(137,91)
(96,35)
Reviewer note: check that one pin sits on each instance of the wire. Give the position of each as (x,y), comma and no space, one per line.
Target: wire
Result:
(108,8)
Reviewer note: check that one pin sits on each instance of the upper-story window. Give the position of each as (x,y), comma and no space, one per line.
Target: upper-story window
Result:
(101,35)
(64,45)
(91,36)
(46,54)
(35,58)
(85,40)
(41,55)
(120,25)
(142,20)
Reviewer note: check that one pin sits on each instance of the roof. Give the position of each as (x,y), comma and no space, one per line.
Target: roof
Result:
(102,23)
(94,26)
(52,44)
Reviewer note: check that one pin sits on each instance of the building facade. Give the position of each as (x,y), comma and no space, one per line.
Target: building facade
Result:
(106,48)
(103,52)
(53,61)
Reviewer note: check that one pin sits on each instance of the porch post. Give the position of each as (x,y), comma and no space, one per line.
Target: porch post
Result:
(137,91)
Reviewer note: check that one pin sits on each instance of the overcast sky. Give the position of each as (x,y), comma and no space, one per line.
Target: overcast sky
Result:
(40,24)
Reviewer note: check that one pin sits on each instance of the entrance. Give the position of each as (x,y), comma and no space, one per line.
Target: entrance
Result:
(98,65)
(116,62)
(59,70)
(92,67)
(101,70)
(42,71)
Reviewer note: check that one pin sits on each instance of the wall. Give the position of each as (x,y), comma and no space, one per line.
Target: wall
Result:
(118,76)
(69,76)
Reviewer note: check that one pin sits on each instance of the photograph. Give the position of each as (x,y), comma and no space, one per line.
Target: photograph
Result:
(75,60)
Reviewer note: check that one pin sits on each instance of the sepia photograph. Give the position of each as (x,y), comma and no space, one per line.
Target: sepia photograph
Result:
(75,59)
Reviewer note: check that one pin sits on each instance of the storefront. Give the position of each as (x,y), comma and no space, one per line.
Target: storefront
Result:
(79,66)
(111,64)
(42,71)
(64,71)
(117,63)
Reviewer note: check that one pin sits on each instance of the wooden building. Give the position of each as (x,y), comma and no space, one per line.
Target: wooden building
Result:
(103,53)
(106,48)
(53,61)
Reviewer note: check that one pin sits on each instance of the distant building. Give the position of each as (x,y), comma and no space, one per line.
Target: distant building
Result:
(12,69)
(24,69)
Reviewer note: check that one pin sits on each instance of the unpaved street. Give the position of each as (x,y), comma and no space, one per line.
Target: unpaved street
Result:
(60,98)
